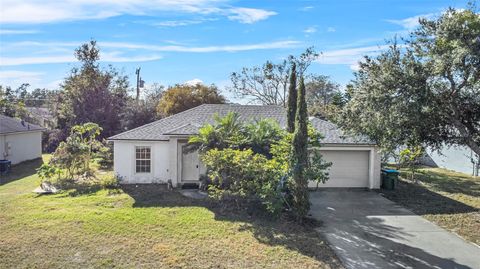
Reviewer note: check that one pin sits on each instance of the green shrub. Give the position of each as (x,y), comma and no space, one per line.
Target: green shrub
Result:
(74,155)
(72,158)
(244,175)
(108,181)
(409,158)
(252,161)
(46,172)
(104,155)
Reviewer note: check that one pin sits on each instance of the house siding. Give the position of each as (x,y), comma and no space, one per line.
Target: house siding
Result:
(166,160)
(124,162)
(23,146)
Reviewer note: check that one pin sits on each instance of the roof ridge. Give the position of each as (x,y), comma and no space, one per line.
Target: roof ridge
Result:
(250,105)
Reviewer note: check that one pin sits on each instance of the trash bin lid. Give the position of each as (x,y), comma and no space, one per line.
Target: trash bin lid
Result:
(391,171)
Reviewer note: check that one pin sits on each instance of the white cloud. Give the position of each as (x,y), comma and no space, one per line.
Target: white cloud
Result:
(160,48)
(310,30)
(15,77)
(193,82)
(17,32)
(9,61)
(331,29)
(355,67)
(306,8)
(205,49)
(349,56)
(116,57)
(176,23)
(47,11)
(112,57)
(411,22)
(120,50)
(249,15)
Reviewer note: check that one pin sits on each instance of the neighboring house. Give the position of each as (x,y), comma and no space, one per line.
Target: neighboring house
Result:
(457,158)
(153,153)
(41,116)
(19,141)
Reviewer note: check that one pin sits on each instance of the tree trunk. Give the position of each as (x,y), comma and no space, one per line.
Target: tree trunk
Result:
(467,136)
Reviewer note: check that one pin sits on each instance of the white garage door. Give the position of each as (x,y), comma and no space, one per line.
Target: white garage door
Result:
(349,169)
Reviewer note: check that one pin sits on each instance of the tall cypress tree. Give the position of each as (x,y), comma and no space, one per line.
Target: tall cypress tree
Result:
(301,203)
(292,100)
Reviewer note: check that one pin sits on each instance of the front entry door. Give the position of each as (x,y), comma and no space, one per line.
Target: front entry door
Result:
(190,166)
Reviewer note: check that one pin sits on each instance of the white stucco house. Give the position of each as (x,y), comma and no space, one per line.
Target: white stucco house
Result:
(19,141)
(153,153)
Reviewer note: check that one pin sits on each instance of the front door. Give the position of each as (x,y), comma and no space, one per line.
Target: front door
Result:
(190,166)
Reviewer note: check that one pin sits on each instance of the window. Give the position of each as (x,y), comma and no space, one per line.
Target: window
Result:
(142,160)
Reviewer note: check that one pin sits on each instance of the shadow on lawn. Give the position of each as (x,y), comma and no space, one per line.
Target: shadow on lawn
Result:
(454,183)
(274,232)
(21,170)
(306,239)
(425,202)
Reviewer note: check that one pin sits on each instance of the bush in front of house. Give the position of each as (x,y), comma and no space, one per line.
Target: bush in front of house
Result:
(251,162)
(243,176)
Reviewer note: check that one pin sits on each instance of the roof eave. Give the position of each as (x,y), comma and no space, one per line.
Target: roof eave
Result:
(26,131)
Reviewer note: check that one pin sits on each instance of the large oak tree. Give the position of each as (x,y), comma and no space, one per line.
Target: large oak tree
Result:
(424,91)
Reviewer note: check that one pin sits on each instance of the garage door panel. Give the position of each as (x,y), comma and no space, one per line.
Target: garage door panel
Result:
(349,169)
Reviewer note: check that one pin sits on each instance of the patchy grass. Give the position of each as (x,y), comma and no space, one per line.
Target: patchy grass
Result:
(447,198)
(144,227)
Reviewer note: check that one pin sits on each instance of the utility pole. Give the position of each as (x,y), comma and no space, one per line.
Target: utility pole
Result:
(137,72)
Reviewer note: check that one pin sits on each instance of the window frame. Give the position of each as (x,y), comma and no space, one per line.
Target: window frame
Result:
(142,159)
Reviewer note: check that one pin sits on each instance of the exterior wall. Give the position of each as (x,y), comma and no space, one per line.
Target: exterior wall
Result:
(376,169)
(124,162)
(2,147)
(22,146)
(166,163)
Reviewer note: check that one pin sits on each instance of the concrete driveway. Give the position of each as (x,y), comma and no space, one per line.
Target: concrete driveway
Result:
(367,230)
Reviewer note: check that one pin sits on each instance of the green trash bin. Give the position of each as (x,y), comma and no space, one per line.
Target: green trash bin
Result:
(389,178)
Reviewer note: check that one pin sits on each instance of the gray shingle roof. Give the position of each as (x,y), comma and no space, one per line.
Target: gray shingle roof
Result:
(334,135)
(189,121)
(11,125)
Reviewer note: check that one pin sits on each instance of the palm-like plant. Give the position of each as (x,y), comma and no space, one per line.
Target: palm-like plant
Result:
(230,132)
(226,132)
(262,134)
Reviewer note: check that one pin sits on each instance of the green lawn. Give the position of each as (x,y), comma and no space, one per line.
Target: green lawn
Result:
(142,227)
(449,199)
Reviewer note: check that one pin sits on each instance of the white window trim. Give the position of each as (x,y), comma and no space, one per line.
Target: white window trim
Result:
(135,160)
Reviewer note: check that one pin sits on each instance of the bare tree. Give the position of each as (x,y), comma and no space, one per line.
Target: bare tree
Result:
(268,84)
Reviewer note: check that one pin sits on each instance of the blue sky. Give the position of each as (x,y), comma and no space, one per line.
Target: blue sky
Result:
(175,41)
